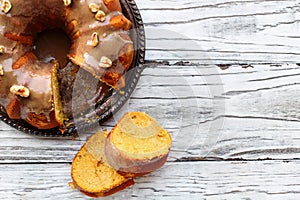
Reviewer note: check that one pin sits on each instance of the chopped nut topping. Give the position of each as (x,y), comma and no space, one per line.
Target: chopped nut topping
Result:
(105,62)
(20,90)
(1,70)
(67,2)
(94,40)
(6,6)
(100,16)
(2,49)
(94,7)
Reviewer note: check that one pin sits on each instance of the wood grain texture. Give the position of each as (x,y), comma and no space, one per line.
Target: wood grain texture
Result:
(238,113)
(200,180)
(221,76)
(222,31)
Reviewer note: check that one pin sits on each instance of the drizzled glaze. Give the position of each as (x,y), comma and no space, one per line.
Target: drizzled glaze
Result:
(37,80)
(111,42)
(20,26)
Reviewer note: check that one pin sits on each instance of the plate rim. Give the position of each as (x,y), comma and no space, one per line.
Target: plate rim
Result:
(129,8)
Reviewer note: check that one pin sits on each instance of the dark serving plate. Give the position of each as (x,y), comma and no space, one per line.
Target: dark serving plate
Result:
(113,101)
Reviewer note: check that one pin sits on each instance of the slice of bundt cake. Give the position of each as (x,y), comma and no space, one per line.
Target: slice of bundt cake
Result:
(137,144)
(108,162)
(91,172)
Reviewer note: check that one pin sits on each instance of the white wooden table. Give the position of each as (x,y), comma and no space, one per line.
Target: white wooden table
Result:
(222,77)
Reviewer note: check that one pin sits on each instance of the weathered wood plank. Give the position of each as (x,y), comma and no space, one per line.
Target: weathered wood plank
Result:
(242,138)
(200,180)
(248,113)
(222,31)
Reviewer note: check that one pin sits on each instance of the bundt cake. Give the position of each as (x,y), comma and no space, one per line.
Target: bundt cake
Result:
(91,173)
(137,144)
(100,44)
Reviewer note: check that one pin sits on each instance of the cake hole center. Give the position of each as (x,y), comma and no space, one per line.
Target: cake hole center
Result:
(52,44)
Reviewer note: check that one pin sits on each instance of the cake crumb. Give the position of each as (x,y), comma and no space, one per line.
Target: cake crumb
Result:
(72,185)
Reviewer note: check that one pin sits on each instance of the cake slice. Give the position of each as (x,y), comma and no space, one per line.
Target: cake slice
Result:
(57,103)
(92,174)
(137,144)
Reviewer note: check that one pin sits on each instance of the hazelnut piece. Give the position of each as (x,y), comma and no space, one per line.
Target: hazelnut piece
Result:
(94,40)
(1,70)
(20,90)
(6,6)
(105,62)
(100,16)
(94,7)
(2,49)
(67,2)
